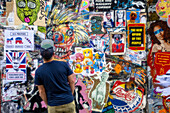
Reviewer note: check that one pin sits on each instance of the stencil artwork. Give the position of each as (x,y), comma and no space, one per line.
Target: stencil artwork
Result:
(99,92)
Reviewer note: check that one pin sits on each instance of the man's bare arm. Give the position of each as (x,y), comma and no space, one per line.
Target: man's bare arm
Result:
(71,82)
(42,93)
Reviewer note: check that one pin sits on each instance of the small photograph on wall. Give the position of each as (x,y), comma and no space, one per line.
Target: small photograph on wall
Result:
(117,43)
(108,20)
(133,16)
(120,18)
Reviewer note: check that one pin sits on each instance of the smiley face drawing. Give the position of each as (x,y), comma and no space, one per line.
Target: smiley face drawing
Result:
(27,10)
(163,8)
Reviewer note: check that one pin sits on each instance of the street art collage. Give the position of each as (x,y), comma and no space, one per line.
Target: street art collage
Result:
(119,51)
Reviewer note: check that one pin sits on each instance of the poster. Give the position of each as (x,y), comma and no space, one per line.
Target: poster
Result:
(15,66)
(30,12)
(136,37)
(19,40)
(120,18)
(117,43)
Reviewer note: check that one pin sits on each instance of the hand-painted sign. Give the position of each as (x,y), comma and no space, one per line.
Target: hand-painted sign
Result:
(136,36)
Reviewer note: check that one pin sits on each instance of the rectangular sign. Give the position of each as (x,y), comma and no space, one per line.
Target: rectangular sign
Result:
(19,40)
(15,66)
(117,43)
(162,62)
(136,36)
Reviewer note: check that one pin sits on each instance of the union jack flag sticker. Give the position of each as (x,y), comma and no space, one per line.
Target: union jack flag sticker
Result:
(16,66)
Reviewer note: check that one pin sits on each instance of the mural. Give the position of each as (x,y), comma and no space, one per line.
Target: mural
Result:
(118,53)
(159,51)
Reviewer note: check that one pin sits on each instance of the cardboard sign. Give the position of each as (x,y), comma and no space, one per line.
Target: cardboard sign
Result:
(136,36)
(19,39)
(15,66)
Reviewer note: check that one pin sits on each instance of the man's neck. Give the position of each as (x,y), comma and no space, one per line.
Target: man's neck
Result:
(46,61)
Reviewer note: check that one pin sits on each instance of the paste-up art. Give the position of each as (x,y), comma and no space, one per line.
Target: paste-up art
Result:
(136,37)
(16,66)
(108,20)
(162,8)
(19,40)
(117,43)
(120,18)
(100,90)
(82,102)
(133,16)
(126,96)
(100,42)
(96,24)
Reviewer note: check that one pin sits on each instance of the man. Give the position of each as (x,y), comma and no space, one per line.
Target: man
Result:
(55,81)
(109,23)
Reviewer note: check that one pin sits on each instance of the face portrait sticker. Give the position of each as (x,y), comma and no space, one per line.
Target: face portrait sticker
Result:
(27,10)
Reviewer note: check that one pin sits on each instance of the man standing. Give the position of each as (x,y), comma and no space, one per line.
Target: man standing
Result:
(55,81)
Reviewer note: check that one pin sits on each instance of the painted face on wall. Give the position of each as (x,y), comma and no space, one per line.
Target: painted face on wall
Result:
(159,32)
(27,10)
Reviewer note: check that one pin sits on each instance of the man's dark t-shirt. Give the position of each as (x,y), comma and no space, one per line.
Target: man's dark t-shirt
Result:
(53,76)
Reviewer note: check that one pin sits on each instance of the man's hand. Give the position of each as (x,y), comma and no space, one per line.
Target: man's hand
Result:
(71,82)
(42,93)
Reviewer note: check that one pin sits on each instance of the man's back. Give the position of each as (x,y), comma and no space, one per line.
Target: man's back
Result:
(53,76)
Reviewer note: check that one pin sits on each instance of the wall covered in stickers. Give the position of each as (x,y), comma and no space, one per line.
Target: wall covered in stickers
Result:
(118,50)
